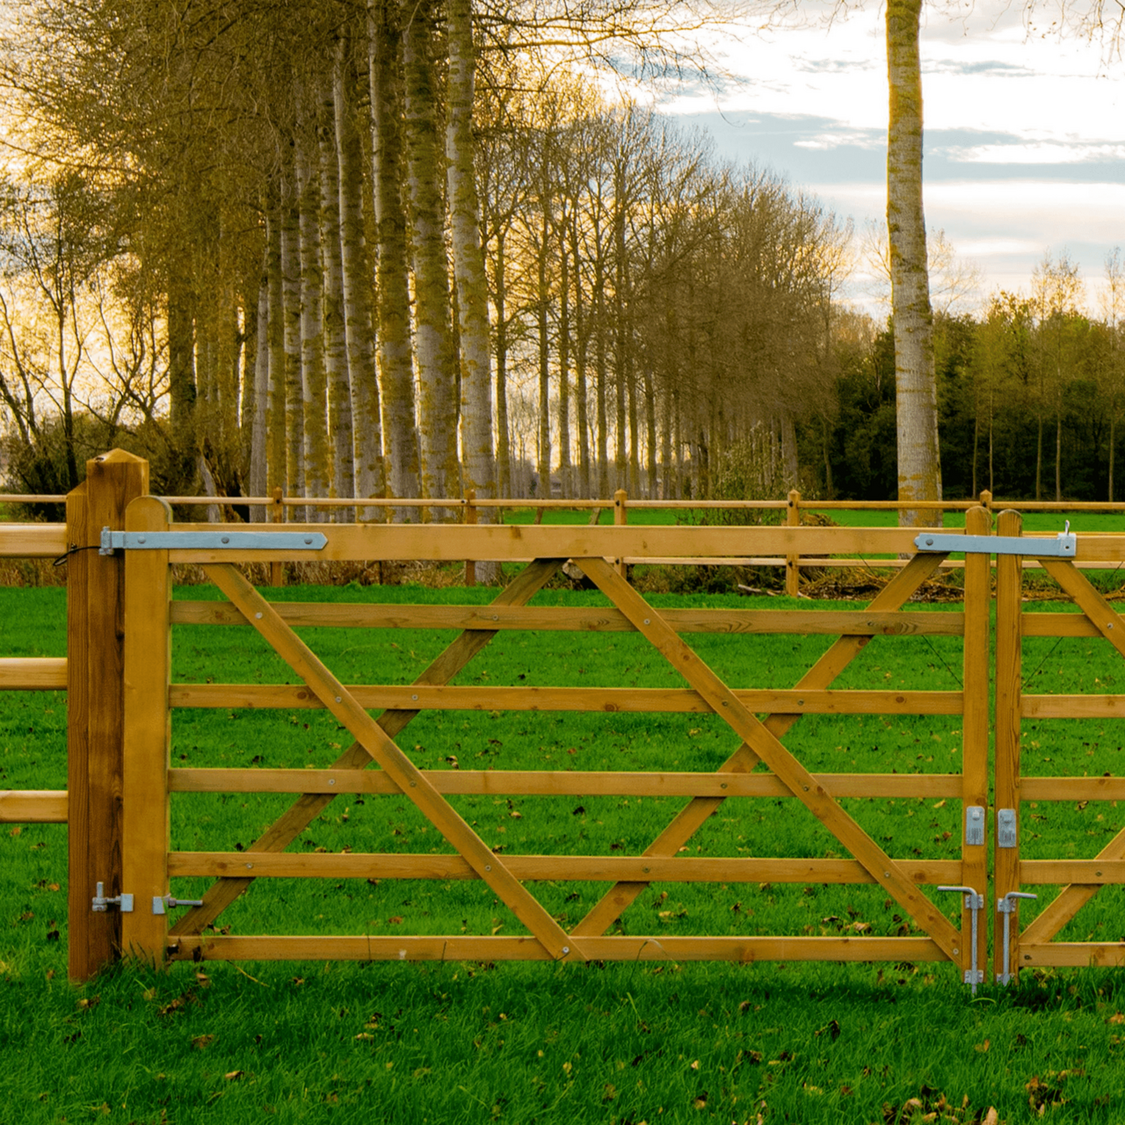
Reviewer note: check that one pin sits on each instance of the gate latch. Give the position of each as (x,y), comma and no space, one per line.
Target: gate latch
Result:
(1063,546)
(210,541)
(162,903)
(974,903)
(101,904)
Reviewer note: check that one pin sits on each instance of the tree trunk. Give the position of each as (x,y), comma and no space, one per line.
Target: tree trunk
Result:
(291,295)
(919,468)
(479,471)
(367,430)
(433,332)
(503,432)
(400,430)
(275,327)
(256,405)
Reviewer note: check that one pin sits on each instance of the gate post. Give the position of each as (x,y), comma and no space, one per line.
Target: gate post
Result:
(148,662)
(975,738)
(95,705)
(793,562)
(1006,799)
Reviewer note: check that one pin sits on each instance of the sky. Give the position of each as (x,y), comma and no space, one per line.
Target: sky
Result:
(1024,132)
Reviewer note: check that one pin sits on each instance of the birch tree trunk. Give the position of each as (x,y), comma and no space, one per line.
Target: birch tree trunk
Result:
(291,296)
(256,406)
(400,432)
(335,331)
(919,467)
(275,326)
(503,432)
(367,446)
(478,466)
(433,335)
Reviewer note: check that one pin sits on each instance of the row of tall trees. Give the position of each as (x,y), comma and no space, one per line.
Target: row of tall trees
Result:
(1031,394)
(343,247)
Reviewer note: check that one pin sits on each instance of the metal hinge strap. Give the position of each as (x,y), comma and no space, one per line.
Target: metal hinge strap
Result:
(1064,545)
(210,541)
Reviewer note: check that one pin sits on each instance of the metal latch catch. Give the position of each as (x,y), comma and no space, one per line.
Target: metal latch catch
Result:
(1008,906)
(101,904)
(210,541)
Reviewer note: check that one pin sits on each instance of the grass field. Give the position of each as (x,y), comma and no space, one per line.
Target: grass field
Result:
(521,1043)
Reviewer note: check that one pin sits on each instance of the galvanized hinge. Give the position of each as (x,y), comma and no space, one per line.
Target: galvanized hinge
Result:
(101,904)
(1064,545)
(210,541)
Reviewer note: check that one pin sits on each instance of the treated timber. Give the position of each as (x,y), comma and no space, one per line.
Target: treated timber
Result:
(521,543)
(555,868)
(549,783)
(33,541)
(384,751)
(766,747)
(584,619)
(461,947)
(1090,872)
(1074,954)
(492,698)
(148,667)
(1009,587)
(684,825)
(28,673)
(33,806)
(95,705)
(1073,788)
(1073,706)
(310,805)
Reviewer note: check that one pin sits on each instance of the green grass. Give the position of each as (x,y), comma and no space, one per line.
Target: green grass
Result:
(614,1043)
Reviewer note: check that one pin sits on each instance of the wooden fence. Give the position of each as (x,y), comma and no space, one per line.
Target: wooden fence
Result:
(122,703)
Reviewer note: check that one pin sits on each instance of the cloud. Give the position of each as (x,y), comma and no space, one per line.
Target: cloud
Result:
(1035,152)
(842,137)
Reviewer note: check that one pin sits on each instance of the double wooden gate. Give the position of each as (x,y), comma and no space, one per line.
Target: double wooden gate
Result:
(983,867)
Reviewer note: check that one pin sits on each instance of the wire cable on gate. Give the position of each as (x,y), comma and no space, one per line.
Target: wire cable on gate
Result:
(73,549)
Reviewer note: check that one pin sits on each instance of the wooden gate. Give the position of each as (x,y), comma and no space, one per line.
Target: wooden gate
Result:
(762,766)
(1064,884)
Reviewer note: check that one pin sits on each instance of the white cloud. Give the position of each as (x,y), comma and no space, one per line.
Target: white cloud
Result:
(1035,152)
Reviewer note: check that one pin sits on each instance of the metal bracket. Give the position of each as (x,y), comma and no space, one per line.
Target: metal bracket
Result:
(1064,545)
(1007,906)
(974,826)
(1005,828)
(210,541)
(101,904)
(162,903)
(975,904)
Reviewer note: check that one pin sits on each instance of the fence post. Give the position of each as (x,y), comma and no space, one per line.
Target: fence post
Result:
(975,731)
(793,562)
(277,515)
(470,519)
(620,519)
(95,705)
(986,501)
(144,789)
(1009,672)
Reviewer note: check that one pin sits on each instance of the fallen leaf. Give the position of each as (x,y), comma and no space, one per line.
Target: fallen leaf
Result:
(202,1042)
(234,1075)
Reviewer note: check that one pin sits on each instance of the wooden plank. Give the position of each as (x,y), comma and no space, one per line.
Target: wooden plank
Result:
(814,622)
(555,868)
(1101,548)
(684,825)
(769,749)
(462,947)
(550,783)
(310,805)
(976,728)
(793,562)
(1089,872)
(148,669)
(491,868)
(33,673)
(33,540)
(1006,733)
(1056,914)
(95,706)
(1074,954)
(1073,706)
(1057,625)
(1072,788)
(494,698)
(33,806)
(1102,615)
(521,543)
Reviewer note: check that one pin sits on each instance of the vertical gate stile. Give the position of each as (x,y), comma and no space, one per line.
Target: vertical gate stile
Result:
(95,585)
(975,737)
(145,830)
(1006,797)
